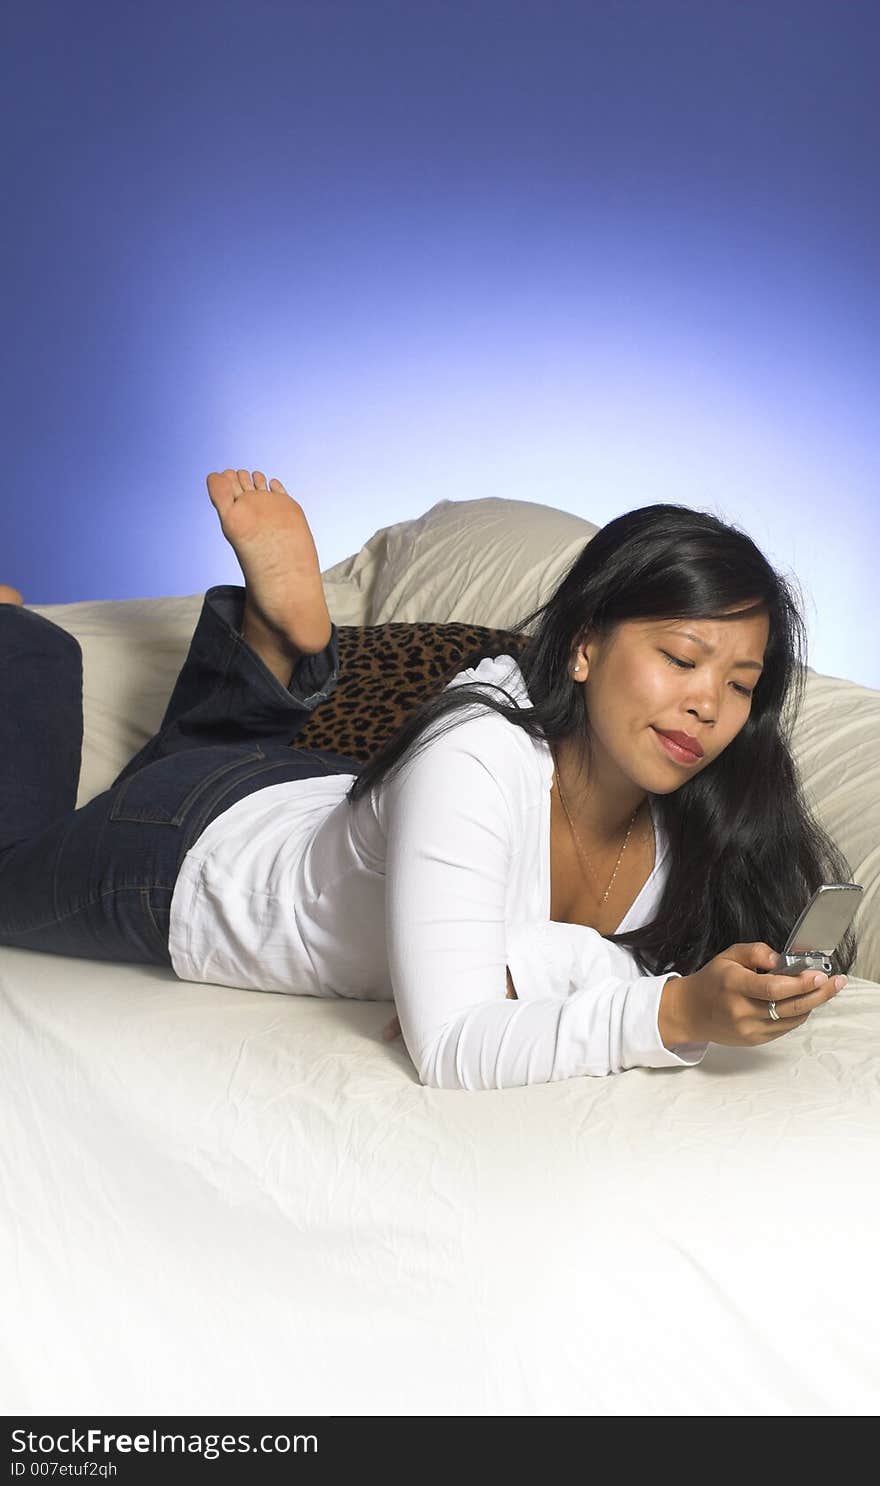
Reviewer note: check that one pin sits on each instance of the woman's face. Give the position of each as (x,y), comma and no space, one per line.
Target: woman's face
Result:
(656,676)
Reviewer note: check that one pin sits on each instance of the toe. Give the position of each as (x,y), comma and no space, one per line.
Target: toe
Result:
(276,485)
(259,480)
(223,489)
(245,479)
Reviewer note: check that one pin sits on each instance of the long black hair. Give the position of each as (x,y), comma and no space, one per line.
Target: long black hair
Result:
(745,851)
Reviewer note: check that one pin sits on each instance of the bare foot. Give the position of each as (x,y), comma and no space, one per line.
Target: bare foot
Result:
(285,611)
(10,595)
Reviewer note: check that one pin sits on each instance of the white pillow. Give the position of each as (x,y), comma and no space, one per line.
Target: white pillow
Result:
(836,745)
(479,562)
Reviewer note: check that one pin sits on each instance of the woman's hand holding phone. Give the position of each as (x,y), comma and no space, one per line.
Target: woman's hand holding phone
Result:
(727,1001)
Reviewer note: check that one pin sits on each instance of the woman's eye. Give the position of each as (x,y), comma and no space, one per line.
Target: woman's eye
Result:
(688,665)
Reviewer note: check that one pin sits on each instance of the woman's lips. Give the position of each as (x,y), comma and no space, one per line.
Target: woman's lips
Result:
(681,755)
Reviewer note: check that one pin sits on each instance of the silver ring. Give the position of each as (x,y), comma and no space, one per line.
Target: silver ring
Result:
(773,1012)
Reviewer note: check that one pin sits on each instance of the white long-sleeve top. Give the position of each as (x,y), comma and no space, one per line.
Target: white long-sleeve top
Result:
(424,892)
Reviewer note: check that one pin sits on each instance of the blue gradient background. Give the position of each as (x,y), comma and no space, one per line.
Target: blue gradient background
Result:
(593,255)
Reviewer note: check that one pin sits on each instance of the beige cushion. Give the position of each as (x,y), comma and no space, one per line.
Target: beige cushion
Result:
(837,749)
(477,561)
(133,650)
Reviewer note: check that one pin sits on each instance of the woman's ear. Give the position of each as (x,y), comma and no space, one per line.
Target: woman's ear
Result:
(579,665)
(579,659)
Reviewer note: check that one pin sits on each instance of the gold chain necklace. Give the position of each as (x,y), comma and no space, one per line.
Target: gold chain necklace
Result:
(577,838)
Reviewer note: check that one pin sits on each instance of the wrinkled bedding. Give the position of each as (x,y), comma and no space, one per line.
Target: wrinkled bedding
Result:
(220,1201)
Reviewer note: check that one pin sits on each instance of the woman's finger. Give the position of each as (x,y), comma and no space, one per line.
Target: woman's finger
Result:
(780,988)
(785,1024)
(391,1031)
(800,1004)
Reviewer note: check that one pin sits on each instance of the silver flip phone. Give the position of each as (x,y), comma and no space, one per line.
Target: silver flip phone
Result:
(820,928)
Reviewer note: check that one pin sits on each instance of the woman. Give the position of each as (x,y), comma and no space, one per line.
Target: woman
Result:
(545,884)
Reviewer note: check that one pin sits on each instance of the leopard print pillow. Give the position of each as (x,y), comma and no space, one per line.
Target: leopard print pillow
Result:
(385,671)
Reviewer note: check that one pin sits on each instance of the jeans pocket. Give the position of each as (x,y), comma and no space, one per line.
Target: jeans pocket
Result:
(166,791)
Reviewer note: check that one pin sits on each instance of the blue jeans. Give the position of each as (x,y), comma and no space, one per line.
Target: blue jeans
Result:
(97,882)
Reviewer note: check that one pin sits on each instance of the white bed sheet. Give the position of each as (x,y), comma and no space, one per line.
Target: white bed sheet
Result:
(232,1202)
